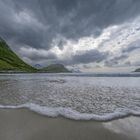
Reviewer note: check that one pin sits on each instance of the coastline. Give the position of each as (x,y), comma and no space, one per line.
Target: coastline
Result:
(24,124)
(22,72)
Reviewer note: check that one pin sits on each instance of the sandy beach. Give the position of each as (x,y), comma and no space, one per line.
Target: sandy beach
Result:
(22,124)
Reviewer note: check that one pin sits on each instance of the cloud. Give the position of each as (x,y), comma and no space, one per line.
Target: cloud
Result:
(38,23)
(83,57)
(115,60)
(36,54)
(109,28)
(132,47)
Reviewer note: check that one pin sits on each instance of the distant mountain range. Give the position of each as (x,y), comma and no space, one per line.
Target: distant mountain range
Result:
(10,62)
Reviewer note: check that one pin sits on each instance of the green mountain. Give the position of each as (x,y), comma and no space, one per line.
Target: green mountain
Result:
(9,61)
(137,70)
(54,68)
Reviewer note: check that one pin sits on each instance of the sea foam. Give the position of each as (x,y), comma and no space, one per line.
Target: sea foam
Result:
(74,97)
(72,114)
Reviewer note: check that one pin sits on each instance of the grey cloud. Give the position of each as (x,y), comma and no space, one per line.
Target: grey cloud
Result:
(84,57)
(136,63)
(86,66)
(124,54)
(115,60)
(71,19)
(89,56)
(132,47)
(37,55)
(62,19)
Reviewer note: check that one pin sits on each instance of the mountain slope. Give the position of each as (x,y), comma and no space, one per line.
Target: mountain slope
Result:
(54,68)
(9,61)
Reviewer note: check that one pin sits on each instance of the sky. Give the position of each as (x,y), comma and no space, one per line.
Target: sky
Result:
(85,35)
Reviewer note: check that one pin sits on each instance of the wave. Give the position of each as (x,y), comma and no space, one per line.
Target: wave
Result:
(72,114)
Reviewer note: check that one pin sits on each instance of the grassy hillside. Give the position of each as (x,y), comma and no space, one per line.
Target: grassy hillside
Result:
(54,68)
(137,70)
(9,61)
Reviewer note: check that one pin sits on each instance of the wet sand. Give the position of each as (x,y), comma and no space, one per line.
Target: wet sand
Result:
(22,124)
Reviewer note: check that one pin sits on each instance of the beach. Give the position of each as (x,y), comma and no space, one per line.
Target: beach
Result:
(69,107)
(70,70)
(22,124)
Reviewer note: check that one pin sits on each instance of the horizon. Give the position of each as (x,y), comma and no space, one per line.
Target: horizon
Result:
(92,36)
(69,69)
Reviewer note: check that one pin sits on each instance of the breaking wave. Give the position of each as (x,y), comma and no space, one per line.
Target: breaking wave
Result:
(72,114)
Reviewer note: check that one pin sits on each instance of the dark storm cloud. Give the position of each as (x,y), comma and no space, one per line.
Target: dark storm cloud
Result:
(130,49)
(89,56)
(69,18)
(38,57)
(115,60)
(38,23)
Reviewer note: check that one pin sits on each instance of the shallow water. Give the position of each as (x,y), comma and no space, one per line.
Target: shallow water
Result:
(75,96)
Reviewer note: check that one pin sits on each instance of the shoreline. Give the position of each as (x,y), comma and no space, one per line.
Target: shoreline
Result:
(71,114)
(131,74)
(33,72)
(24,124)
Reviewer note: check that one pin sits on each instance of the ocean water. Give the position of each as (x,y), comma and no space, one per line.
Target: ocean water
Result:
(76,96)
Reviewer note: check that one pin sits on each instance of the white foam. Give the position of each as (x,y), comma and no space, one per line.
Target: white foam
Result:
(72,114)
